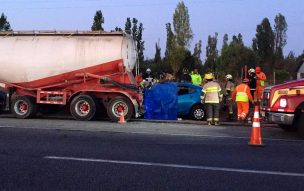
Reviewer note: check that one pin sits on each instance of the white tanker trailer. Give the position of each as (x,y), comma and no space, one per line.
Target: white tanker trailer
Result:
(83,70)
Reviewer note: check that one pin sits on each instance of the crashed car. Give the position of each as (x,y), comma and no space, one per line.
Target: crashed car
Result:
(189,102)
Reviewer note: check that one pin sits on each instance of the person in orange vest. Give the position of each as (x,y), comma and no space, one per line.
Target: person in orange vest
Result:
(242,96)
(260,83)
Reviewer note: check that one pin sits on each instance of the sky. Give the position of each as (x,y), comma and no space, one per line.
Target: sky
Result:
(206,18)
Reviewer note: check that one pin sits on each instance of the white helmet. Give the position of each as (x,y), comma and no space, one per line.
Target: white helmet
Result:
(229,76)
(148,70)
(251,70)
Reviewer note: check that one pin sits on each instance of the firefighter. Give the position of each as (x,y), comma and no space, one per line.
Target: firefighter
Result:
(260,83)
(242,96)
(211,96)
(185,77)
(252,82)
(229,88)
(196,78)
(149,77)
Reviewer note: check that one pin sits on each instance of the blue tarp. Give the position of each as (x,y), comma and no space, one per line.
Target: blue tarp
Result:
(161,102)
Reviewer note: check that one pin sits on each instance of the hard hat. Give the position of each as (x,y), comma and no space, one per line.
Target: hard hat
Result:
(185,70)
(229,76)
(209,76)
(257,69)
(251,70)
(245,80)
(148,70)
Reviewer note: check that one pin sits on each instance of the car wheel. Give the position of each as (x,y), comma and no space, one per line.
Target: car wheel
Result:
(198,112)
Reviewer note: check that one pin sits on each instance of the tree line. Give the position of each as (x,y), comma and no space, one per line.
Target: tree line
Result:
(266,49)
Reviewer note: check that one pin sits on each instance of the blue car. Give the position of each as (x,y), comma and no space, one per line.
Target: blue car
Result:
(189,101)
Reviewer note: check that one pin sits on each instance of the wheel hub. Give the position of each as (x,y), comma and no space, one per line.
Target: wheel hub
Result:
(23,107)
(84,107)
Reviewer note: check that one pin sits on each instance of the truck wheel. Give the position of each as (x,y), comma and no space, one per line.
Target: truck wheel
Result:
(23,107)
(300,123)
(198,112)
(288,128)
(118,104)
(83,107)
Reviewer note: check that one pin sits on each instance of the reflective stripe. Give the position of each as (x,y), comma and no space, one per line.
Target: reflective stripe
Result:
(213,89)
(216,119)
(212,102)
(209,119)
(262,83)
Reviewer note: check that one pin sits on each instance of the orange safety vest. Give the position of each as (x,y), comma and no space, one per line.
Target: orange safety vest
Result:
(242,93)
(261,77)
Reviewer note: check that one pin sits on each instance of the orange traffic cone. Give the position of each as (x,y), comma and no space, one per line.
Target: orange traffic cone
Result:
(256,139)
(122,118)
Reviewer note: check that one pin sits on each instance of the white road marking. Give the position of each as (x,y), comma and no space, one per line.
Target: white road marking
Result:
(278,173)
(7,126)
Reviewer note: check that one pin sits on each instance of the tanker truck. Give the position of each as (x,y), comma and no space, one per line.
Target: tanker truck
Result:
(86,72)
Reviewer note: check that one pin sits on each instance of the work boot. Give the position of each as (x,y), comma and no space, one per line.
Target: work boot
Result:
(209,123)
(217,123)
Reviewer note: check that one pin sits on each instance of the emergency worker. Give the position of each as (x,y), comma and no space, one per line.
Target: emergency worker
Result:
(260,83)
(211,96)
(185,77)
(252,82)
(229,88)
(196,78)
(242,96)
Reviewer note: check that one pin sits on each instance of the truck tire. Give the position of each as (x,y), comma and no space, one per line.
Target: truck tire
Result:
(83,107)
(300,124)
(24,107)
(198,112)
(118,104)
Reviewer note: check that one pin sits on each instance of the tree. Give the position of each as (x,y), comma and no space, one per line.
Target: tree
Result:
(132,28)
(128,26)
(263,45)
(234,57)
(4,24)
(177,43)
(181,24)
(98,21)
(157,57)
(225,41)
(140,43)
(197,55)
(211,53)
(118,29)
(175,54)
(280,29)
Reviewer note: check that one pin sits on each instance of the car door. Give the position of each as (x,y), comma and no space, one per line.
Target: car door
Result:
(186,98)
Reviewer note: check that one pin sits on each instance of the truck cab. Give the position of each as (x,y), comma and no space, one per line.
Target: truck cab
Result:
(283,104)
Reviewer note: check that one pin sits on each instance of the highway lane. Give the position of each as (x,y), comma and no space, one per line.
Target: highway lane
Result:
(42,154)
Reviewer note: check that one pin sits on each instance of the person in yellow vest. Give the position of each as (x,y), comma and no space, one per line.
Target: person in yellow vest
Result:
(242,96)
(196,78)
(211,96)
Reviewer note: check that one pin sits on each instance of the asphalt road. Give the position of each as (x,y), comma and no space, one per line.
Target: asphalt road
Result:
(42,154)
